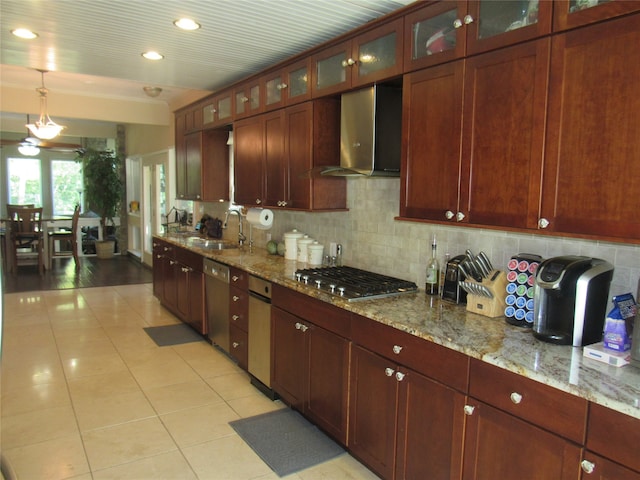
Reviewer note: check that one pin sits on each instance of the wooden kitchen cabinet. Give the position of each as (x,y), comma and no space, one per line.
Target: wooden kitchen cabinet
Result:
(592,137)
(158,268)
(370,57)
(443,31)
(190,304)
(239,316)
(218,110)
(310,363)
(275,153)
(215,165)
(248,144)
(612,437)
(406,415)
(460,132)
(573,13)
(247,99)
(288,85)
(519,428)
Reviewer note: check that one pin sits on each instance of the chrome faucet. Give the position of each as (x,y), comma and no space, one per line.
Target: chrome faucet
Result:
(241,236)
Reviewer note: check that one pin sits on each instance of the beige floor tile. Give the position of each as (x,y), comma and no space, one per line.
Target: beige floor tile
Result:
(125,443)
(344,467)
(35,397)
(153,375)
(97,386)
(232,386)
(112,410)
(180,396)
(26,374)
(201,424)
(12,357)
(213,364)
(166,466)
(38,426)
(61,458)
(134,356)
(254,405)
(86,365)
(129,337)
(73,348)
(225,458)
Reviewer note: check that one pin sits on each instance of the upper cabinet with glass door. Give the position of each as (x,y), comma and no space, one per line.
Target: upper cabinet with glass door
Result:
(288,86)
(370,57)
(217,111)
(574,13)
(452,29)
(248,99)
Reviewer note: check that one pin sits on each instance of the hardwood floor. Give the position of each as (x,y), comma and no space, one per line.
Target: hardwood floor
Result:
(94,272)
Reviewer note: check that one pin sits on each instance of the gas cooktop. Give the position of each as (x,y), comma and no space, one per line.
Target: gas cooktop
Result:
(354,284)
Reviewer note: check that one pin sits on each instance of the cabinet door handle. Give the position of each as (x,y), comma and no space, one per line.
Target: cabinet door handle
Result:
(236,298)
(235,278)
(258,201)
(468,409)
(543,223)
(235,317)
(449,214)
(515,397)
(349,62)
(400,376)
(244,99)
(468,19)
(587,466)
(457,23)
(459,216)
(171,262)
(397,349)
(282,86)
(235,344)
(389,372)
(303,327)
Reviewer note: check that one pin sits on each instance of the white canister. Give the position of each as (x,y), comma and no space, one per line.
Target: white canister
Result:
(303,252)
(316,252)
(291,244)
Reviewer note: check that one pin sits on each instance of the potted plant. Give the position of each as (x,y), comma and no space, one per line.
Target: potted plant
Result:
(104,189)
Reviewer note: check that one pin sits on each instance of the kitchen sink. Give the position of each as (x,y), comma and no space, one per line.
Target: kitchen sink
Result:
(211,244)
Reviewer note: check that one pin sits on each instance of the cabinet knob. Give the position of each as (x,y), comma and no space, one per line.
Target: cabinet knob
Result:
(587,466)
(236,298)
(348,62)
(457,23)
(244,99)
(258,201)
(389,372)
(515,397)
(235,317)
(400,376)
(468,409)
(235,344)
(543,223)
(468,19)
(449,214)
(282,86)
(235,278)
(158,256)
(397,349)
(459,216)
(171,262)
(304,328)
(214,110)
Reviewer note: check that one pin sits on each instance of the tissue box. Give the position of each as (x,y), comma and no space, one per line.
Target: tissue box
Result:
(598,352)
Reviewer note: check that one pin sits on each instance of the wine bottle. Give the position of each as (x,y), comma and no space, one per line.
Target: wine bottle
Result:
(432,286)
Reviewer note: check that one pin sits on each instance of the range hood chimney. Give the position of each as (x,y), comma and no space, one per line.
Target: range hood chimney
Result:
(370,133)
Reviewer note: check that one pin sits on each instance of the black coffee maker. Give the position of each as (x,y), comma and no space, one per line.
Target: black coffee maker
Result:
(570,300)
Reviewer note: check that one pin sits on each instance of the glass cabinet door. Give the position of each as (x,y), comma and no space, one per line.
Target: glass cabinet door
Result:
(273,91)
(208,113)
(298,80)
(431,36)
(378,54)
(575,13)
(247,100)
(504,16)
(224,107)
(332,72)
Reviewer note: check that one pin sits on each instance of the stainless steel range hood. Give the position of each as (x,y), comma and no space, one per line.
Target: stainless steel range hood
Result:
(370,133)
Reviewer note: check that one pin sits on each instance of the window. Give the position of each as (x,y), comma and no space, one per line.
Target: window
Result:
(66,186)
(25,181)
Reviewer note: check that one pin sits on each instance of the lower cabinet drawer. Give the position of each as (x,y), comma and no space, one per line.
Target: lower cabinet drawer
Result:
(540,404)
(238,346)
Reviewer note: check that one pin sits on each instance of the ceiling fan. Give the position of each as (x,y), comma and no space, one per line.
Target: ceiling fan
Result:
(31,145)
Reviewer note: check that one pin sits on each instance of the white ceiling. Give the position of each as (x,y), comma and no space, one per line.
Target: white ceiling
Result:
(94,46)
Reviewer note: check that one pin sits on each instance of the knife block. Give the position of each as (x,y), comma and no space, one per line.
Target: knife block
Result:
(493,307)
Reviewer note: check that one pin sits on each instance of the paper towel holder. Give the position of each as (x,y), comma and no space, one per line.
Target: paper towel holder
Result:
(259,226)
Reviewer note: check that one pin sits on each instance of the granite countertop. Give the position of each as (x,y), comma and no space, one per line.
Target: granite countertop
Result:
(489,339)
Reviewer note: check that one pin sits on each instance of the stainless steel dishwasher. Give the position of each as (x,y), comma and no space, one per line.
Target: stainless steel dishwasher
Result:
(217,302)
(259,361)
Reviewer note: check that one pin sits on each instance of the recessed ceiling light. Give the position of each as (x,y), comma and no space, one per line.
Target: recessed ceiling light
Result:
(152,55)
(187,24)
(24,33)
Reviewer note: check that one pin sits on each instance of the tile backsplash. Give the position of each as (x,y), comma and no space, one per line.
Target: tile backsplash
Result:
(373,240)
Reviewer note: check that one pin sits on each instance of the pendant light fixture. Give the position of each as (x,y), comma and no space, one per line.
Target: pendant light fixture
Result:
(44,128)
(28,146)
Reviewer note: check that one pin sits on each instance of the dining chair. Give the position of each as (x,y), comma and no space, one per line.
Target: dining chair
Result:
(4,232)
(68,236)
(25,225)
